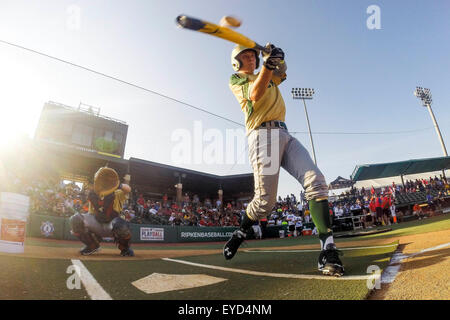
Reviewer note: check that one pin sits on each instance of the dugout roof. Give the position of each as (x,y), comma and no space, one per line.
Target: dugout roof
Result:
(392,169)
(340,183)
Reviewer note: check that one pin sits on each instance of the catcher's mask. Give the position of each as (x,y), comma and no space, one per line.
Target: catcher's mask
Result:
(106,181)
(236,63)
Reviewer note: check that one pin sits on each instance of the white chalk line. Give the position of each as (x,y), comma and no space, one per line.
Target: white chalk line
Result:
(93,288)
(317,250)
(273,275)
(391,272)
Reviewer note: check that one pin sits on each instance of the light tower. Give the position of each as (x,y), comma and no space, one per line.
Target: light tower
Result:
(424,94)
(306,93)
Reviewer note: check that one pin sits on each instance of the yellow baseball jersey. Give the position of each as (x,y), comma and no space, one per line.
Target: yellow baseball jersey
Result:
(119,198)
(270,107)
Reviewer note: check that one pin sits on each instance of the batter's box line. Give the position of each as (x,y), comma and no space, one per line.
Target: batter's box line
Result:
(390,273)
(93,288)
(271,274)
(317,250)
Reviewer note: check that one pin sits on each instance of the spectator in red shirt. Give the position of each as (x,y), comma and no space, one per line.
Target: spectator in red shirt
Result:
(141,200)
(417,211)
(210,223)
(140,205)
(386,204)
(379,209)
(372,207)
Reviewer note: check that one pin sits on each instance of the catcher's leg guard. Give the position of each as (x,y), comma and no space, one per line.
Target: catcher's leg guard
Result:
(79,230)
(122,235)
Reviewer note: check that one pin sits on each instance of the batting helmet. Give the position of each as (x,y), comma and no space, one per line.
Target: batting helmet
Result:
(236,63)
(106,181)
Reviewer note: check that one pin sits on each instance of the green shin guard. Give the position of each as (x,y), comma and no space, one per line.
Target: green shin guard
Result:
(320,214)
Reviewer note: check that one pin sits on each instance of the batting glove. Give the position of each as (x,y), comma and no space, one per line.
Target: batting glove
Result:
(273,58)
(281,69)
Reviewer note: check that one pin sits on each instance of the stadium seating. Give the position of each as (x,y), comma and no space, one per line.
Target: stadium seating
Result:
(404,199)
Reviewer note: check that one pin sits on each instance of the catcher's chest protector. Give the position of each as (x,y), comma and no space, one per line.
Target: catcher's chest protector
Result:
(104,208)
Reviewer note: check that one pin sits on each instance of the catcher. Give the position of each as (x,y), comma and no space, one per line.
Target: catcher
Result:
(261,101)
(103,219)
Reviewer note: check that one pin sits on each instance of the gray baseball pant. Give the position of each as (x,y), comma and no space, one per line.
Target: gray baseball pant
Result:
(103,230)
(270,148)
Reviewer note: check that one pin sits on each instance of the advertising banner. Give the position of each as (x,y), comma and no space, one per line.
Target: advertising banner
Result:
(151,234)
(194,234)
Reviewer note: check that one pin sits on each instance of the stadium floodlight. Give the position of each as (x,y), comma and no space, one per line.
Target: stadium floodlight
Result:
(303,94)
(424,94)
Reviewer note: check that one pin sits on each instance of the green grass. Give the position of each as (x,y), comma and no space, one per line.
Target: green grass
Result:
(356,262)
(27,278)
(117,281)
(31,279)
(236,287)
(46,243)
(433,224)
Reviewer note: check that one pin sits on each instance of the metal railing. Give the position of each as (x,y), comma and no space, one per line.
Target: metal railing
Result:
(86,111)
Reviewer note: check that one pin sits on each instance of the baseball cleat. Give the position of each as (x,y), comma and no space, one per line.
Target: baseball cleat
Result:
(231,247)
(127,253)
(87,251)
(329,262)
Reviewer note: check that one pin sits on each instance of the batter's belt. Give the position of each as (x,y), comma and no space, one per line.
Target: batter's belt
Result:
(273,124)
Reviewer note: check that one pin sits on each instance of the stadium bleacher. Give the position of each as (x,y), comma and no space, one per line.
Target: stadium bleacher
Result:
(404,199)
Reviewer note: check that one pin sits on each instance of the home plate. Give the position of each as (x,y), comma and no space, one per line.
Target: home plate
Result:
(160,282)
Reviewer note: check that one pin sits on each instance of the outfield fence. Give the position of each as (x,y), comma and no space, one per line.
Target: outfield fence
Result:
(52,227)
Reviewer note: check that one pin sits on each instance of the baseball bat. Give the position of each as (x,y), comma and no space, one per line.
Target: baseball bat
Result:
(218,31)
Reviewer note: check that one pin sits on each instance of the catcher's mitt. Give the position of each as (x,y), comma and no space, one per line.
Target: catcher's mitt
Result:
(106,181)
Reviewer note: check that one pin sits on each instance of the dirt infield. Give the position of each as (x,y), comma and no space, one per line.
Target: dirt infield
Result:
(424,276)
(109,252)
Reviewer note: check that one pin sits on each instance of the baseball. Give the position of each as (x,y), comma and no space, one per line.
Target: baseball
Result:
(230,21)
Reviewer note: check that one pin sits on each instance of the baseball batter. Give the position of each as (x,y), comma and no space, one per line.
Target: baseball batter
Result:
(271,146)
(103,219)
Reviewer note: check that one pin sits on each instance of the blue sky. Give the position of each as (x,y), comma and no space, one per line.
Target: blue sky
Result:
(364,79)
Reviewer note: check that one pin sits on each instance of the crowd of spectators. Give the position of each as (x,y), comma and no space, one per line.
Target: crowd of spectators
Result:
(211,213)
(382,206)
(50,196)
(56,198)
(376,205)
(190,212)
(411,186)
